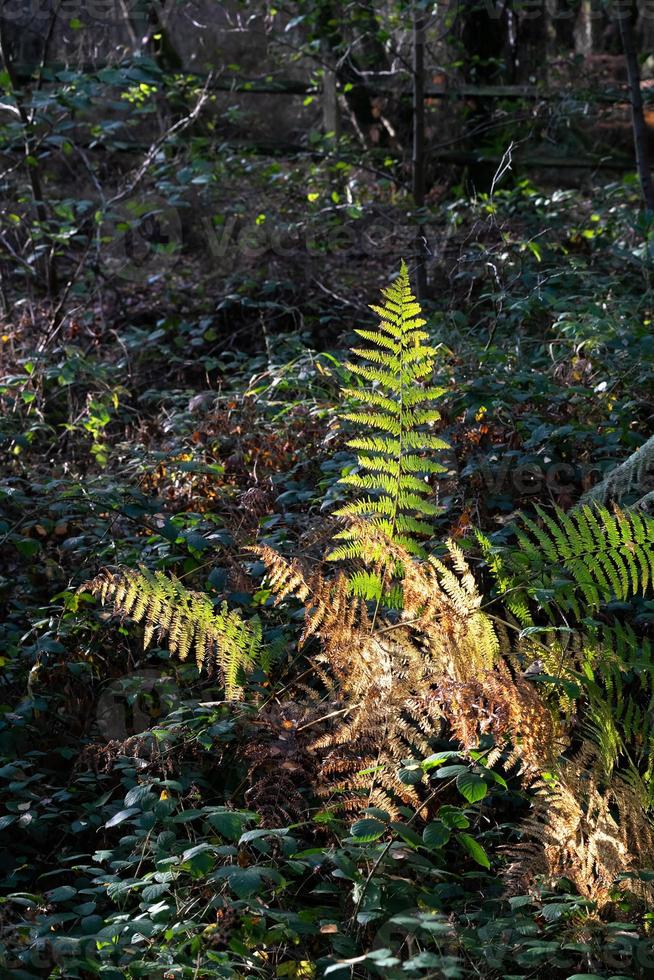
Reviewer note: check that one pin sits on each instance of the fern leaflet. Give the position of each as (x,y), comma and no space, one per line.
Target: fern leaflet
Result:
(187,618)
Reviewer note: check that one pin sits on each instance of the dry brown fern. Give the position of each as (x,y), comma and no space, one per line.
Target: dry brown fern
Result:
(511,709)
(586,830)
(278,764)
(381,673)
(443,604)
(393,680)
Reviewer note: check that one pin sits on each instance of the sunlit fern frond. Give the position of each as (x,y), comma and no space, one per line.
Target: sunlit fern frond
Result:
(286,578)
(381,674)
(513,597)
(338,619)
(617,688)
(395,459)
(510,709)
(219,638)
(588,828)
(587,555)
(442,602)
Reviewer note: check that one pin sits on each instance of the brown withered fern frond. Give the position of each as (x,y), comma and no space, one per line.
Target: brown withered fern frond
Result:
(381,672)
(585,829)
(444,605)
(511,709)
(278,764)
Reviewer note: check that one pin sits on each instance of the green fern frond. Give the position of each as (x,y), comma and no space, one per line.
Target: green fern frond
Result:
(623,736)
(366,585)
(587,553)
(393,462)
(615,673)
(188,619)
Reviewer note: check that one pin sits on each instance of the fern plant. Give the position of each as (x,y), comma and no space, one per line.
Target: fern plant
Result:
(382,676)
(631,478)
(219,638)
(593,819)
(587,554)
(394,445)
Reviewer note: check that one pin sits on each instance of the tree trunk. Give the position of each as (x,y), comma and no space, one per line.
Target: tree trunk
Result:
(485,35)
(331,116)
(637,117)
(350,74)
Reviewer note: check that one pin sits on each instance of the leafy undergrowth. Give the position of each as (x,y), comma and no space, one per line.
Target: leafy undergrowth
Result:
(151,827)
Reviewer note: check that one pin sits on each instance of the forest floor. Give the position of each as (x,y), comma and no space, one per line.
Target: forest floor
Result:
(178,415)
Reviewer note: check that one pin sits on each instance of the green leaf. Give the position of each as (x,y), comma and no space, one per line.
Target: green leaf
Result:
(137,795)
(447,772)
(411,775)
(262,832)
(472,786)
(28,547)
(61,894)
(453,817)
(244,882)
(122,815)
(408,834)
(436,834)
(432,761)
(229,823)
(368,829)
(475,850)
